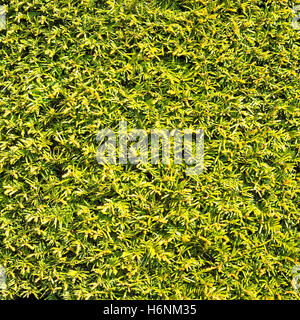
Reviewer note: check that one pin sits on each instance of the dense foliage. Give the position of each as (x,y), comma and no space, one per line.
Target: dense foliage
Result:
(73,229)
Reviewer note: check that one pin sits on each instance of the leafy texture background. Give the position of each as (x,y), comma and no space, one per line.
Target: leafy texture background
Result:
(73,229)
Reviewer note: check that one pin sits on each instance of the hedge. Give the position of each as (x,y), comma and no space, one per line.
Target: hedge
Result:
(71,228)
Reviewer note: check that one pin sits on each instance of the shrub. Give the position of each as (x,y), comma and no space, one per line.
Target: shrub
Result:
(73,229)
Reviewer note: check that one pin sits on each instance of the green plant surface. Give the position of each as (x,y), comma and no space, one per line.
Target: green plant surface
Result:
(71,228)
